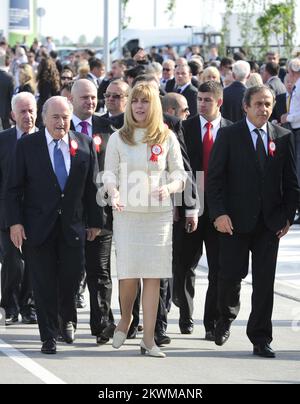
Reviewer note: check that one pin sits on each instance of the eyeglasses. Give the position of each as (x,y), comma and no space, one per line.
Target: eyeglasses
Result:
(114,96)
(66,78)
(166,69)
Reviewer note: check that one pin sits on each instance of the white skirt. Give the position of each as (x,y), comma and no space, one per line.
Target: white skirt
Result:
(143,243)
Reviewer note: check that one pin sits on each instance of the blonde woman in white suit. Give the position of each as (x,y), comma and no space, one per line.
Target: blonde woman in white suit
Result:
(143,167)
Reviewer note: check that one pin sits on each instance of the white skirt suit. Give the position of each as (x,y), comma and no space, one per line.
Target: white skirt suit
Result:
(143,230)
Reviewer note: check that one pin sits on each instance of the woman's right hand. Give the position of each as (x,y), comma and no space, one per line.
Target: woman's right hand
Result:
(115,201)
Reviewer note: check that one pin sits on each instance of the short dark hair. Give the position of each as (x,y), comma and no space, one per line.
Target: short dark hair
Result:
(226,61)
(144,77)
(251,91)
(212,87)
(135,71)
(95,63)
(272,68)
(67,86)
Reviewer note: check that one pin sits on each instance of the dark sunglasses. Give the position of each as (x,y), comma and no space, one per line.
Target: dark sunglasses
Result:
(166,69)
(113,96)
(66,78)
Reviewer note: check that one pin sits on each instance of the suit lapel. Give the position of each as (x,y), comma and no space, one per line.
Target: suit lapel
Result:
(43,154)
(249,144)
(75,160)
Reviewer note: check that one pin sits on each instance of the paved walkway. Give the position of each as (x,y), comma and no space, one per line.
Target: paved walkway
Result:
(190,359)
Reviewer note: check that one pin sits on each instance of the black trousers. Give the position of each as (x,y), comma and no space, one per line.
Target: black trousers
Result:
(187,252)
(98,271)
(297,151)
(234,261)
(55,267)
(16,289)
(164,305)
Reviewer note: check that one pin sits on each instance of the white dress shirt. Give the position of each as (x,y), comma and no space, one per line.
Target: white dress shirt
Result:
(216,126)
(78,127)
(20,132)
(183,87)
(264,134)
(294,114)
(63,145)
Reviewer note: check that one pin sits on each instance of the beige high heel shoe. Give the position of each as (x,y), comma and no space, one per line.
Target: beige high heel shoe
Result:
(154,351)
(118,339)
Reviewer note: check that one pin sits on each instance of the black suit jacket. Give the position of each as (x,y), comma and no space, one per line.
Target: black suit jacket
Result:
(190,93)
(103,127)
(8,141)
(6,93)
(279,108)
(193,141)
(236,187)
(170,85)
(232,107)
(35,200)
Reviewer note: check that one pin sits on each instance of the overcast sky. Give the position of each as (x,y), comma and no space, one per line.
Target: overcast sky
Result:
(72,18)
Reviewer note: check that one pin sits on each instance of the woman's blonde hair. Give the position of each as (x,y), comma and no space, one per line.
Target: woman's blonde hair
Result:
(208,72)
(27,76)
(156,131)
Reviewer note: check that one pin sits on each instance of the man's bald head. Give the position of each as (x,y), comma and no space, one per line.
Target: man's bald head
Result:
(57,113)
(84,98)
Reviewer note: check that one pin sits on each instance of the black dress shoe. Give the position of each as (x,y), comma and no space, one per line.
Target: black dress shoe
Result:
(29,318)
(132,332)
(186,329)
(263,350)
(210,335)
(101,340)
(222,334)
(11,319)
(49,347)
(108,331)
(67,332)
(162,339)
(80,302)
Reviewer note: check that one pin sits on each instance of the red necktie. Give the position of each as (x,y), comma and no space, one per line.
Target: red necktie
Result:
(84,127)
(208,142)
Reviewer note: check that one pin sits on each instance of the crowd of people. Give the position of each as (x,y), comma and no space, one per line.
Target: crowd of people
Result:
(162,155)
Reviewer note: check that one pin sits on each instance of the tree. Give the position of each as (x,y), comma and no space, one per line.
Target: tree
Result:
(171,8)
(278,19)
(82,40)
(98,41)
(125,20)
(66,40)
(275,19)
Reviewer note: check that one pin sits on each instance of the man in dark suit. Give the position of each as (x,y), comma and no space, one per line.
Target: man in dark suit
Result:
(6,93)
(269,73)
(97,252)
(16,291)
(167,81)
(116,97)
(51,205)
(200,133)
(252,197)
(183,77)
(232,108)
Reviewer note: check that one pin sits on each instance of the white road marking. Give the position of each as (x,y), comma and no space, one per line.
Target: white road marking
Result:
(28,364)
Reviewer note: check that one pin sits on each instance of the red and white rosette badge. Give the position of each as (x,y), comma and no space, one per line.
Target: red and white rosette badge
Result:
(98,142)
(73,148)
(156,150)
(272,148)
